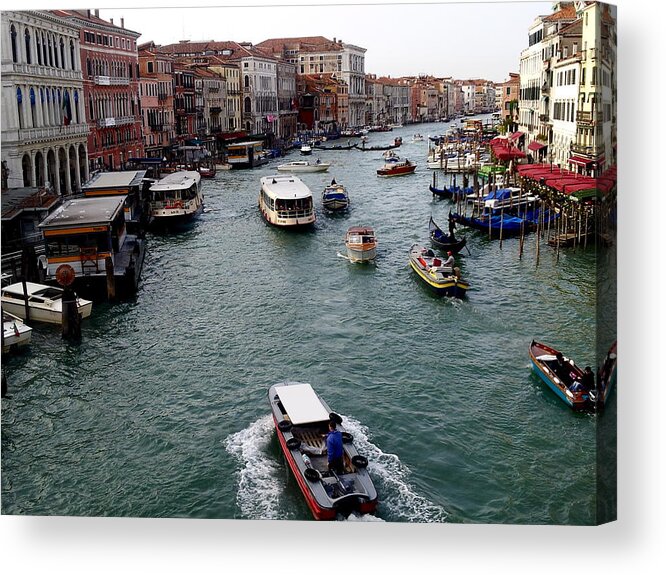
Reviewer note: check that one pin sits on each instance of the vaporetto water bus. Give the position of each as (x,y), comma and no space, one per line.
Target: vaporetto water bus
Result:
(176,198)
(285,201)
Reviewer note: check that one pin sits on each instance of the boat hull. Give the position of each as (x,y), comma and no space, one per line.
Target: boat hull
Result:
(323,500)
(303,169)
(45,314)
(441,280)
(361,254)
(398,171)
(541,357)
(16,334)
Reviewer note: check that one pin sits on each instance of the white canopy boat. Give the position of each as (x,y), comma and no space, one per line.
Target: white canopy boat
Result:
(304,166)
(44,302)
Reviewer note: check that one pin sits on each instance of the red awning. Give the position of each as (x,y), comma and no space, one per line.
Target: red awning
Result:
(515,135)
(580,161)
(535,146)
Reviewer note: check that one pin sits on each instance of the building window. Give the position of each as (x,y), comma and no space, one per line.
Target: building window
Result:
(150,67)
(19,103)
(28,57)
(62,53)
(14,50)
(71,54)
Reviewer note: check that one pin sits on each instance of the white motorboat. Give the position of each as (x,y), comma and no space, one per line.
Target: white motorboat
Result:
(44,302)
(285,201)
(15,333)
(306,149)
(301,419)
(361,244)
(304,166)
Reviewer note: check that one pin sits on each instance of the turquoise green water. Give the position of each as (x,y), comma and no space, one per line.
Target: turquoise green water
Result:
(162,411)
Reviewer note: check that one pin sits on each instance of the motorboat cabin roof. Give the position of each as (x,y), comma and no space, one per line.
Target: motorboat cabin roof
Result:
(86,212)
(362,231)
(33,289)
(302,404)
(114,182)
(285,187)
(176,181)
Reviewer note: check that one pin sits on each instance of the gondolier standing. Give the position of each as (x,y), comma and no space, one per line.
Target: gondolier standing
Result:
(452,227)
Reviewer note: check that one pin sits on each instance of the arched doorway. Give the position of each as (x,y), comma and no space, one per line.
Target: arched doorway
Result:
(62,172)
(83,167)
(40,170)
(51,169)
(26,168)
(72,169)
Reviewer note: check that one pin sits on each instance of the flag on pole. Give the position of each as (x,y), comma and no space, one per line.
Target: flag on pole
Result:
(66,109)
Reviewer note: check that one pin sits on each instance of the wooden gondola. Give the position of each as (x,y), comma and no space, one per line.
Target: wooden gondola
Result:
(443,241)
(564,377)
(337,147)
(396,144)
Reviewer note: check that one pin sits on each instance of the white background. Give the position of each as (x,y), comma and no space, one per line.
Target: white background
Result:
(633,545)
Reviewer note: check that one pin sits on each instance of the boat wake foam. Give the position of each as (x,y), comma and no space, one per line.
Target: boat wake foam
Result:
(397,499)
(260,477)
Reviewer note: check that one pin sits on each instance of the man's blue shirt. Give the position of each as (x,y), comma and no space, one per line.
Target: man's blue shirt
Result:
(334,445)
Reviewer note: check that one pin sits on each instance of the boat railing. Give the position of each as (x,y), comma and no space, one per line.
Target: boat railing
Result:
(294,214)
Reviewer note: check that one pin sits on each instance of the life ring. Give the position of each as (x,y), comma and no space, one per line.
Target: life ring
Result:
(359,461)
(284,425)
(293,443)
(347,437)
(178,204)
(312,474)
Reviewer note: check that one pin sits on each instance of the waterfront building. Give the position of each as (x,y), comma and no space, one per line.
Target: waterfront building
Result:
(156,99)
(377,103)
(183,98)
(397,92)
(319,98)
(110,62)
(426,101)
(508,97)
(210,92)
(595,147)
(44,129)
(319,55)
(287,121)
(230,72)
(567,96)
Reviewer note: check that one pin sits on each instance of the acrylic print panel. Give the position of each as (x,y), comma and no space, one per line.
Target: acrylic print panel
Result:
(446,379)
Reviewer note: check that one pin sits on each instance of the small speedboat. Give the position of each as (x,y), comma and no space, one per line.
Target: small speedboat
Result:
(397,169)
(563,376)
(44,302)
(417,138)
(306,149)
(16,334)
(335,197)
(361,244)
(301,421)
(444,280)
(304,166)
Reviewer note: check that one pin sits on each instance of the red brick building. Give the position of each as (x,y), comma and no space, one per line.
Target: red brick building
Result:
(110,65)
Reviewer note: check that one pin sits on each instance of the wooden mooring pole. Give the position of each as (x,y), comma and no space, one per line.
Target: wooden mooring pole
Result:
(110,279)
(71,319)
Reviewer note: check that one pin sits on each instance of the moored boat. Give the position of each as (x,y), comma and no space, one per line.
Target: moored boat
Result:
(503,225)
(563,376)
(44,302)
(397,142)
(306,150)
(335,197)
(304,166)
(444,241)
(176,198)
(301,420)
(607,376)
(444,280)
(397,169)
(361,244)
(285,201)
(15,333)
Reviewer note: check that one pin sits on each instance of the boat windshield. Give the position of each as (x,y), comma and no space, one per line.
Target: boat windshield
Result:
(49,293)
(293,208)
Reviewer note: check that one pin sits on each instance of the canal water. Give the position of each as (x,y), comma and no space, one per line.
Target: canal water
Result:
(162,409)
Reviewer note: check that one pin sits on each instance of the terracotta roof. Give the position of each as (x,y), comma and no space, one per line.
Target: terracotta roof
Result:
(238,50)
(302,44)
(568,12)
(83,15)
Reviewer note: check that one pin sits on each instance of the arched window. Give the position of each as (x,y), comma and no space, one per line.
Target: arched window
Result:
(19,103)
(91,108)
(38,39)
(44,53)
(28,56)
(33,108)
(62,53)
(71,54)
(76,106)
(55,53)
(247,81)
(26,167)
(14,46)
(50,51)
(248,105)
(89,67)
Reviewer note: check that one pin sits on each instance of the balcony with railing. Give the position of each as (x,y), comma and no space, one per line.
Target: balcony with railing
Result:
(115,121)
(52,132)
(589,118)
(39,71)
(111,81)
(588,151)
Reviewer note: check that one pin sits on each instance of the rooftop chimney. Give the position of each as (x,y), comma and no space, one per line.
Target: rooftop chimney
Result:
(122,22)
(96,13)
(111,20)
